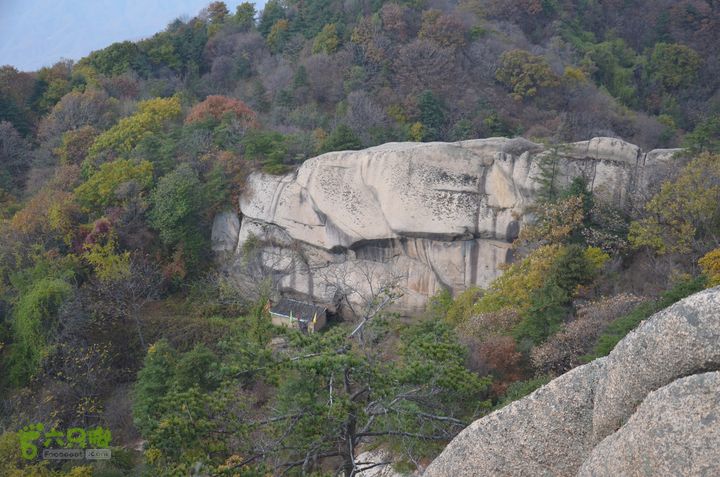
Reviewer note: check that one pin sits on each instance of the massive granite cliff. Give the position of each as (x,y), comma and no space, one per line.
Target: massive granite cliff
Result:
(652,407)
(421,215)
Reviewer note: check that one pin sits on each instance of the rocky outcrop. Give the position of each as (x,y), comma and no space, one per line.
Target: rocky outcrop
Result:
(225,231)
(547,433)
(425,215)
(651,407)
(679,341)
(675,431)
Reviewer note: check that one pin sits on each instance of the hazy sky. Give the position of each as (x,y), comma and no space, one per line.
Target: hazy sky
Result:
(36,33)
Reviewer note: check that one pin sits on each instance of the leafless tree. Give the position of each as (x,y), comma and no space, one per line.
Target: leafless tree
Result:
(325,76)
(93,107)
(398,21)
(564,350)
(262,263)
(14,155)
(424,65)
(126,296)
(366,288)
(221,74)
(364,115)
(250,46)
(276,74)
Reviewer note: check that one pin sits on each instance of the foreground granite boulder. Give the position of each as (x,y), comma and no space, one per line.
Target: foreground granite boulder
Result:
(424,215)
(675,431)
(547,433)
(651,407)
(678,341)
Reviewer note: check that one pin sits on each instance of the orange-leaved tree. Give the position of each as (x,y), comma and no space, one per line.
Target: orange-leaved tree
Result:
(219,107)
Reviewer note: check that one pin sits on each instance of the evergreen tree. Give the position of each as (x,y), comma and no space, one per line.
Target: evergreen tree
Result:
(550,305)
(272,12)
(178,204)
(432,116)
(341,139)
(245,15)
(547,177)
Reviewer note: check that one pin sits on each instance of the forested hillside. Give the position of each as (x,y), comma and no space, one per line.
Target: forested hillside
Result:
(113,312)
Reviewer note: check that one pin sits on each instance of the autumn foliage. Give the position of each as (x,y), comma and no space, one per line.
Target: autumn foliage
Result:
(710,265)
(564,350)
(220,107)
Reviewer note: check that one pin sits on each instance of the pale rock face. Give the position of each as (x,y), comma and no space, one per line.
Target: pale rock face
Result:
(651,407)
(225,232)
(371,461)
(427,215)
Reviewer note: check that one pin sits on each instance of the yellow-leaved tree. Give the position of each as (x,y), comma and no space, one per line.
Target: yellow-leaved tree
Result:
(710,265)
(684,216)
(149,118)
(100,189)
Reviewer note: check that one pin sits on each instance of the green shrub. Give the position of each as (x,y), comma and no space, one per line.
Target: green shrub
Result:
(705,136)
(341,139)
(33,325)
(154,381)
(150,118)
(550,304)
(178,205)
(525,74)
(197,368)
(619,328)
(100,189)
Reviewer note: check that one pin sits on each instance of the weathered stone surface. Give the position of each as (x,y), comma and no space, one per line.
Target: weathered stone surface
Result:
(681,340)
(547,433)
(436,214)
(225,232)
(604,149)
(668,421)
(675,431)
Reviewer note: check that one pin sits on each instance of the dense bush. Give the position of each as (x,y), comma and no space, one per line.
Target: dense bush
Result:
(564,350)
(100,190)
(33,324)
(620,327)
(177,207)
(151,115)
(525,73)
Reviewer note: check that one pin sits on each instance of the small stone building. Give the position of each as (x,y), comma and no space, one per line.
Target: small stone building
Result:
(299,315)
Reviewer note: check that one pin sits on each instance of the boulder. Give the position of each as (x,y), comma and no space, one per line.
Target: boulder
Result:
(675,431)
(377,463)
(546,433)
(678,341)
(604,149)
(650,407)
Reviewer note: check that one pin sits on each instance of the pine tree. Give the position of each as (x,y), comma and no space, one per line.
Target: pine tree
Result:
(547,178)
